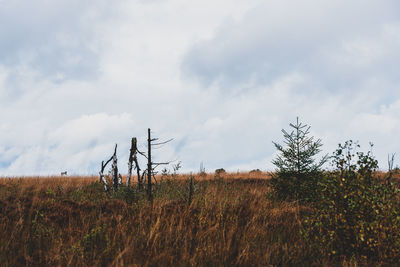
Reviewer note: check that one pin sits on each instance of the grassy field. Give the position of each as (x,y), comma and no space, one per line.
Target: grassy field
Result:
(232,220)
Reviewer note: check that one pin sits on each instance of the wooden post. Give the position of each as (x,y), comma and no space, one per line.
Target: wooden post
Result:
(149,167)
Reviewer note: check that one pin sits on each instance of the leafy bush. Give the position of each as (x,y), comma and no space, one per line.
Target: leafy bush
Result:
(297,173)
(357,215)
(94,244)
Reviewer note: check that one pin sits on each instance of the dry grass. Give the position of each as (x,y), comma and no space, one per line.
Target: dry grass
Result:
(76,181)
(72,222)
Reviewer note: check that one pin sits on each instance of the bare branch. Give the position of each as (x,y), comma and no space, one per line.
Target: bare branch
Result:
(141,153)
(104,166)
(161,163)
(162,143)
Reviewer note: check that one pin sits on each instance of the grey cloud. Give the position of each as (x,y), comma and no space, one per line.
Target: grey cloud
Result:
(308,37)
(276,52)
(53,38)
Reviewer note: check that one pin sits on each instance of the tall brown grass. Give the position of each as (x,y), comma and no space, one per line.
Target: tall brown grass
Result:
(231,221)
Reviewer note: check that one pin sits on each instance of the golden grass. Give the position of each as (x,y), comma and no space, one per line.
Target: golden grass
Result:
(40,182)
(70,221)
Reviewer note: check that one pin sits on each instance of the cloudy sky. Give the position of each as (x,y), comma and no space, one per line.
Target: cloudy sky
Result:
(221,77)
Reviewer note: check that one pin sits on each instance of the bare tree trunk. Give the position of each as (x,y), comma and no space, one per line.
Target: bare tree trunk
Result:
(140,182)
(101,172)
(142,177)
(133,158)
(149,167)
(115,169)
(139,179)
(102,178)
(130,165)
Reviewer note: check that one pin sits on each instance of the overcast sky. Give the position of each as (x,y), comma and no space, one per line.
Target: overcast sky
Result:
(220,77)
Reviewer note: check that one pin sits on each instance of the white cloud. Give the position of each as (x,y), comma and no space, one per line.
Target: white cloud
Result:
(220,77)
(56,38)
(78,145)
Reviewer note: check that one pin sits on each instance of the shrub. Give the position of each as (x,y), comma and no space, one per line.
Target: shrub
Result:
(220,171)
(357,215)
(297,171)
(256,171)
(95,245)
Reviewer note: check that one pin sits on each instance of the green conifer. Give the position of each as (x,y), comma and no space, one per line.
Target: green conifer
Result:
(297,170)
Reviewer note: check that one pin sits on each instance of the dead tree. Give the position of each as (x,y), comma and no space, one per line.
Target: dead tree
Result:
(133,159)
(139,177)
(130,161)
(149,172)
(151,166)
(103,166)
(114,170)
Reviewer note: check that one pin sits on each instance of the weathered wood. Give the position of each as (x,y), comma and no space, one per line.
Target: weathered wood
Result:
(140,180)
(133,158)
(142,177)
(128,178)
(149,167)
(149,172)
(130,160)
(114,169)
(102,178)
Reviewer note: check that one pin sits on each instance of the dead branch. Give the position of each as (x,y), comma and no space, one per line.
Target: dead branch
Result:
(163,143)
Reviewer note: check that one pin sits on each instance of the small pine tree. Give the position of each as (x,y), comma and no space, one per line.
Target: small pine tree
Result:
(297,170)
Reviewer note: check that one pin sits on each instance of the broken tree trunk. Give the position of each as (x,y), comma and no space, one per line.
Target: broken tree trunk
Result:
(102,178)
(140,180)
(114,170)
(130,161)
(133,158)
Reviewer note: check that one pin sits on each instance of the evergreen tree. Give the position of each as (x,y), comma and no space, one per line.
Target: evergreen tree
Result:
(297,170)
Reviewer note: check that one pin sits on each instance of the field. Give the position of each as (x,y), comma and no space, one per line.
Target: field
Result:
(231,220)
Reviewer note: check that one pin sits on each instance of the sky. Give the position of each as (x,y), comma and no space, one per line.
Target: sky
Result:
(221,77)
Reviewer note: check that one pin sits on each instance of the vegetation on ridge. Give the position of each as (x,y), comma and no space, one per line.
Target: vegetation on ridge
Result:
(303,215)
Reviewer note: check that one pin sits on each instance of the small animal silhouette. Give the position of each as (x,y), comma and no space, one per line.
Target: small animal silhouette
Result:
(63,173)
